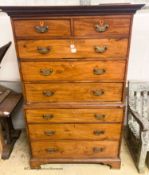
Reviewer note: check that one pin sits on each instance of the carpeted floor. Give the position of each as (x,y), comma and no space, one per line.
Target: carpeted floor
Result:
(18,164)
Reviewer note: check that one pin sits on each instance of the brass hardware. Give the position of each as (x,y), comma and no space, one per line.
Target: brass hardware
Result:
(97,71)
(101,49)
(43,50)
(46,72)
(51,150)
(48,116)
(98,92)
(49,133)
(41,28)
(101,28)
(100,116)
(97,149)
(98,132)
(48,93)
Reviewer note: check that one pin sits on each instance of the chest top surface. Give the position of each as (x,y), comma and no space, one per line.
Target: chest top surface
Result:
(103,9)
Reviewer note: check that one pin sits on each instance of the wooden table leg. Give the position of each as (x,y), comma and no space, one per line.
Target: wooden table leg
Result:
(8,134)
(9,137)
(1,139)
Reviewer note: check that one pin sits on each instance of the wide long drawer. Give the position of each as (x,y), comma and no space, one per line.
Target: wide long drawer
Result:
(75,131)
(74,92)
(74,71)
(101,26)
(75,149)
(42,28)
(81,48)
(74,115)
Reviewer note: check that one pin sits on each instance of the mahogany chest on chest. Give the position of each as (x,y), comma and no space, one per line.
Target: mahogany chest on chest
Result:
(73,64)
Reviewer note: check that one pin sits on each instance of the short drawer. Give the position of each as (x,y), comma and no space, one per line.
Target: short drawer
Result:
(74,115)
(75,131)
(74,92)
(75,149)
(83,48)
(42,28)
(72,71)
(102,26)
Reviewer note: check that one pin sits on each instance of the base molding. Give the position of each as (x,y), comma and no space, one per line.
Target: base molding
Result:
(114,163)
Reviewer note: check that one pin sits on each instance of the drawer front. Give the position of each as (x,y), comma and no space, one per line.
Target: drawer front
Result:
(89,48)
(72,71)
(102,26)
(70,92)
(42,28)
(74,115)
(75,131)
(75,149)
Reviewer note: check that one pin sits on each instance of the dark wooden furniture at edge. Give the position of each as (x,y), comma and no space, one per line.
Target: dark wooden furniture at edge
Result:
(8,134)
(8,103)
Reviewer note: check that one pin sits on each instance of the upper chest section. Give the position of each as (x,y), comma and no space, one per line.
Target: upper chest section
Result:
(79,27)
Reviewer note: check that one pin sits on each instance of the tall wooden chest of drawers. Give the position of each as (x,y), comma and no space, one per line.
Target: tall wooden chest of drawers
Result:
(73,64)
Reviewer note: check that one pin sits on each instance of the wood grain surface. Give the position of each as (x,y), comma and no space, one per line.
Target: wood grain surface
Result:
(117,26)
(75,131)
(74,115)
(56,28)
(74,71)
(75,149)
(70,92)
(84,48)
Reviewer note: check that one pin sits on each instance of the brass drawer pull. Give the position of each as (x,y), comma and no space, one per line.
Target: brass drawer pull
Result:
(51,150)
(47,116)
(41,29)
(100,116)
(49,133)
(43,50)
(46,72)
(100,49)
(98,92)
(98,132)
(97,71)
(48,93)
(101,27)
(97,149)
